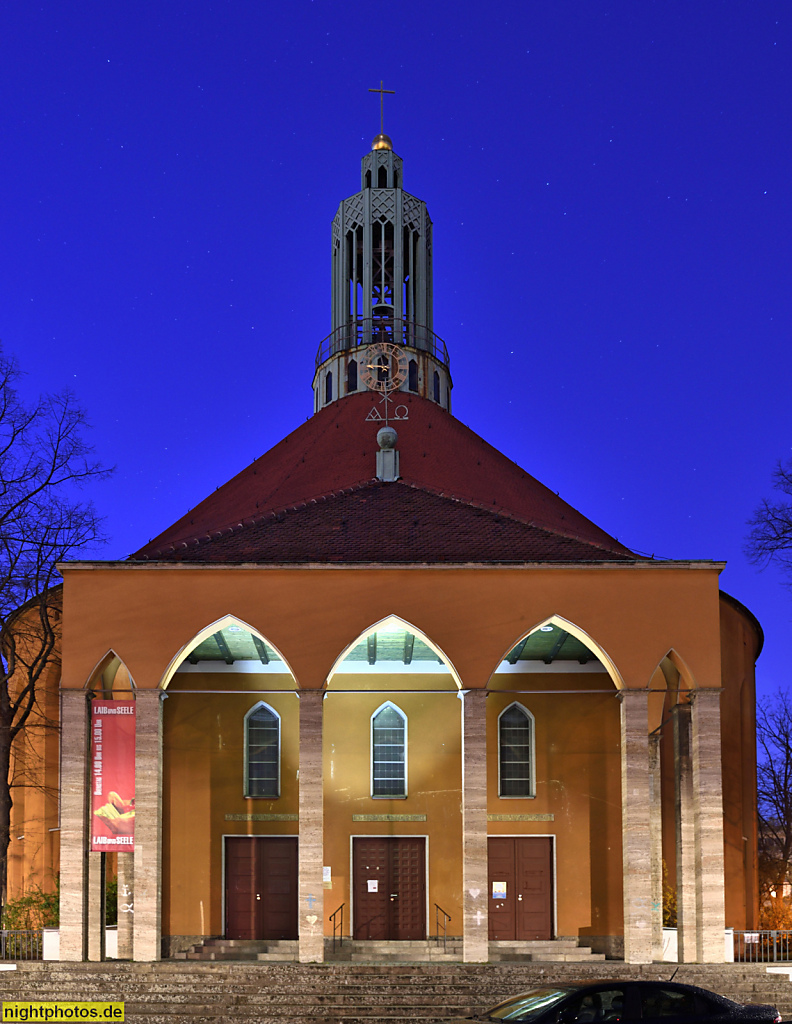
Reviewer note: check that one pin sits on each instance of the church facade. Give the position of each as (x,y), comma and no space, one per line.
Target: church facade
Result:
(388,686)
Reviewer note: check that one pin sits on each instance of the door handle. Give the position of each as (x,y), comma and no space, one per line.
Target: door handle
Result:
(394,895)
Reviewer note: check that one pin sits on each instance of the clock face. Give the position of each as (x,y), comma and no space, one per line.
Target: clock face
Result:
(385,367)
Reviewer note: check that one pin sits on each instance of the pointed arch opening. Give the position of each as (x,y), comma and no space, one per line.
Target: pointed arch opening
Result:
(397,649)
(111,677)
(229,645)
(555,645)
(389,753)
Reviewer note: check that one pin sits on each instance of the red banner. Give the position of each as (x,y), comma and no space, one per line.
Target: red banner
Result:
(112,775)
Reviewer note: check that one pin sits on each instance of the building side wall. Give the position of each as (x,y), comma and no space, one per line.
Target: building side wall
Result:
(739,644)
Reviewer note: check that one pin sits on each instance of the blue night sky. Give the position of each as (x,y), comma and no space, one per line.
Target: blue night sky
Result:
(609,185)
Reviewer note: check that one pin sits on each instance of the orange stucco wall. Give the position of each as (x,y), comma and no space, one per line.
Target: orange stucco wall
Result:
(147,613)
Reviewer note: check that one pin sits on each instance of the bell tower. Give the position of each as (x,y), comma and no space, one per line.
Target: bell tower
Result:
(381,289)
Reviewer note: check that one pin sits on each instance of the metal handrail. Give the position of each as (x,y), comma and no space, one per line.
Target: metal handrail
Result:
(763,946)
(338,926)
(19,944)
(446,919)
(394,330)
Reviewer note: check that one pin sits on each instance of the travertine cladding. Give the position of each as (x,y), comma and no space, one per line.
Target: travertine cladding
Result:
(96,907)
(311,892)
(636,844)
(126,875)
(708,817)
(656,837)
(147,926)
(685,836)
(475,947)
(73,821)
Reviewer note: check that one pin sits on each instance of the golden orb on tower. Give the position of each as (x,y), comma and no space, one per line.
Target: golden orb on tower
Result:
(381,141)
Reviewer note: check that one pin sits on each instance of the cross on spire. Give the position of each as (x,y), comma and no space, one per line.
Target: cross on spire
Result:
(382,92)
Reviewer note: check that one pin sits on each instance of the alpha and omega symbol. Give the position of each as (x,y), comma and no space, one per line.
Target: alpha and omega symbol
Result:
(385,367)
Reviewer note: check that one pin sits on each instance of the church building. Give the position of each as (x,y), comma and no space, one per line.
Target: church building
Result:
(384,687)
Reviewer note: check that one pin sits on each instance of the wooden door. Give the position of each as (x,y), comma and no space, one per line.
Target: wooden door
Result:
(389,885)
(261,887)
(520,891)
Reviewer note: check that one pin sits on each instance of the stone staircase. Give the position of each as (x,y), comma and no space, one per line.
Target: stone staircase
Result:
(268,950)
(554,951)
(195,992)
(410,951)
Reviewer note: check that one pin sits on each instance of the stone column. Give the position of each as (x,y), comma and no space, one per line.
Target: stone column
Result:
(310,914)
(708,819)
(96,906)
(685,836)
(656,839)
(73,823)
(636,844)
(126,908)
(475,924)
(147,926)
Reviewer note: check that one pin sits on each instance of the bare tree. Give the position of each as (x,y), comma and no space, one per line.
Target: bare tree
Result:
(44,461)
(770,539)
(774,791)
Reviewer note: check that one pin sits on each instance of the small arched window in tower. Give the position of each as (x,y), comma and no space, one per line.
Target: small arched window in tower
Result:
(395,178)
(382,177)
(262,752)
(516,766)
(368,179)
(437,387)
(328,388)
(352,375)
(412,377)
(388,752)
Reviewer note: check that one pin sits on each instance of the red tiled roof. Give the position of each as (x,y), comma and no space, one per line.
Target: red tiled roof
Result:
(386,522)
(335,450)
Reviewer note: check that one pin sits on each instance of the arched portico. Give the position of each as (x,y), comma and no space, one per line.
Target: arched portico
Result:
(391,734)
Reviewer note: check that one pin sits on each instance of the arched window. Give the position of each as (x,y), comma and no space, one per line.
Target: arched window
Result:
(388,752)
(262,752)
(352,375)
(437,387)
(368,179)
(328,388)
(412,380)
(382,177)
(516,761)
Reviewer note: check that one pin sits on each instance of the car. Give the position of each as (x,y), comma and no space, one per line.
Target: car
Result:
(659,1002)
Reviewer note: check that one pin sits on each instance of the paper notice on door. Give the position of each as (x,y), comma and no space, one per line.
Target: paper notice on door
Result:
(373,885)
(499,890)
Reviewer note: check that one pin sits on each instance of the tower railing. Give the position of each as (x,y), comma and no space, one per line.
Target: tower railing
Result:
(393,330)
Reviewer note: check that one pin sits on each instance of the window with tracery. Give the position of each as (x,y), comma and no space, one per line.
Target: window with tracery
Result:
(388,752)
(516,765)
(262,752)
